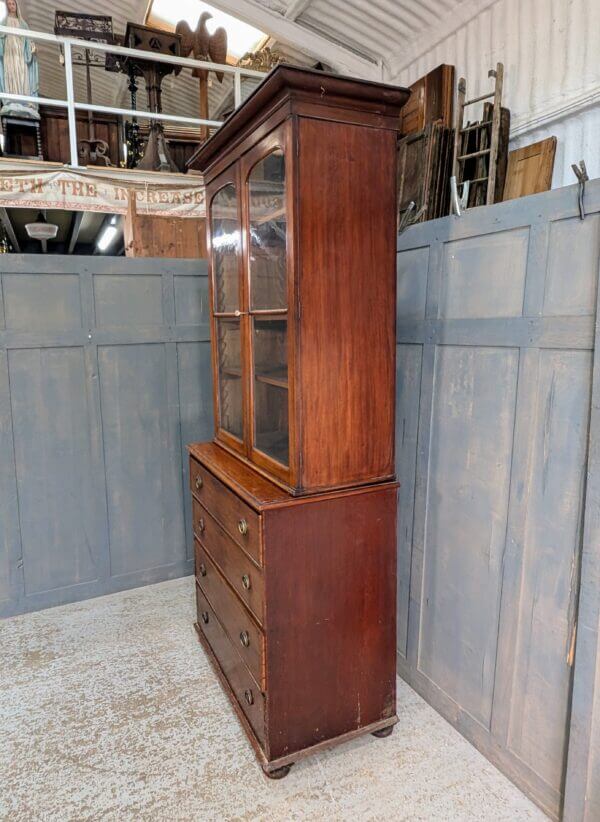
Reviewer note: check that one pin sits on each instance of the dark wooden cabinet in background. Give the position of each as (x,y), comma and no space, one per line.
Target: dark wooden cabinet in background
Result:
(295,501)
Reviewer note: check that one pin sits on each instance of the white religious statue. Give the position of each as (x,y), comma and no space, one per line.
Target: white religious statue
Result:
(19,72)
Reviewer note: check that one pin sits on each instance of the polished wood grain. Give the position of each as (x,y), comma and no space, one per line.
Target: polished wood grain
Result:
(331,631)
(239,521)
(242,687)
(340,170)
(347,294)
(242,574)
(242,629)
(320,617)
(290,87)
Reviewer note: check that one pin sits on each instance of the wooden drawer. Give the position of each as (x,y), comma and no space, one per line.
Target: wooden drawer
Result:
(238,519)
(250,698)
(233,616)
(242,574)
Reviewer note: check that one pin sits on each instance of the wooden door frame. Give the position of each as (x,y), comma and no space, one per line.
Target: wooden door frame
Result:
(280,138)
(231,176)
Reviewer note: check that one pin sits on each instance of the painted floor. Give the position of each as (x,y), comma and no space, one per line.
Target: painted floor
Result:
(109,711)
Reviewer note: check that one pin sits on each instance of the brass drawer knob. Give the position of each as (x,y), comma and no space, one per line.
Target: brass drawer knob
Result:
(201,525)
(243,527)
(246,582)
(245,638)
(205,617)
(198,483)
(202,569)
(249,697)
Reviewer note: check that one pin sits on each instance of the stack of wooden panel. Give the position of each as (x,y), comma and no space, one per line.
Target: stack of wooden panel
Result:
(425,150)
(424,166)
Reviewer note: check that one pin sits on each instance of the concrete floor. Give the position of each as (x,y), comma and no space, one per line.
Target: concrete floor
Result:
(109,710)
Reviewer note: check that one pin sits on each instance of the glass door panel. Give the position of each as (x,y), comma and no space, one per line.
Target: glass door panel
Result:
(229,361)
(225,241)
(268,234)
(271,423)
(268,287)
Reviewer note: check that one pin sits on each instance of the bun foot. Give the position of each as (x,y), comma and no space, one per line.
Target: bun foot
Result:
(279,773)
(383,732)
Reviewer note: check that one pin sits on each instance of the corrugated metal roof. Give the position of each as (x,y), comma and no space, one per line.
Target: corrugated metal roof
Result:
(373,28)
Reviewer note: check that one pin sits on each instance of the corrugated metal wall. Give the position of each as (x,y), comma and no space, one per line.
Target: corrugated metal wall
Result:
(496,323)
(550,50)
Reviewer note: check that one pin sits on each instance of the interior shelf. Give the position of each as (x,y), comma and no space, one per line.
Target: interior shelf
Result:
(272,216)
(231,372)
(276,376)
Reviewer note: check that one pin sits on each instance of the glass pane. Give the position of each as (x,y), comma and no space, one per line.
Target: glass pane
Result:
(271,427)
(225,239)
(229,356)
(268,275)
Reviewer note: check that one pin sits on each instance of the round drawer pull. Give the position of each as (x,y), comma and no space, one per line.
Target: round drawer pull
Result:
(249,697)
(246,582)
(199,483)
(243,527)
(201,525)
(202,569)
(205,617)
(245,638)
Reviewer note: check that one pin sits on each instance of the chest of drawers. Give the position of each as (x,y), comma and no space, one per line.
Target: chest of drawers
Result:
(296,601)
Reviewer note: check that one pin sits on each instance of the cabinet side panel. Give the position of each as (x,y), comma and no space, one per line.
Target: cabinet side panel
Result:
(347,293)
(331,617)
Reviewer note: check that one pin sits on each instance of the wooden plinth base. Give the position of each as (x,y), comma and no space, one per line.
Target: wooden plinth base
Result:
(279,768)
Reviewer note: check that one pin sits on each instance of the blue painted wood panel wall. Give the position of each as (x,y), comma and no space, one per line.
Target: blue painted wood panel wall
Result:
(104,378)
(496,321)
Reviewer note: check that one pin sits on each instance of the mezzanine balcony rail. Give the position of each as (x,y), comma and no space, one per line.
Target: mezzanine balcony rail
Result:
(73,106)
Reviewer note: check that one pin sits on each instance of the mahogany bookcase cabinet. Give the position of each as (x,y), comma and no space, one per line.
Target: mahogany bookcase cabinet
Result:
(294,503)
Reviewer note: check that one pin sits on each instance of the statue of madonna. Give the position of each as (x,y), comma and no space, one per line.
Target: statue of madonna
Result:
(18,66)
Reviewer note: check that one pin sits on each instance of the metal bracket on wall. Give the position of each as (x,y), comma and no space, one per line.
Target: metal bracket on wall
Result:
(409,218)
(459,203)
(582,177)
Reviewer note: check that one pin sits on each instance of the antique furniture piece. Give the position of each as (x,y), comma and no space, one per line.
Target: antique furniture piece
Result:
(294,503)
(22,137)
(156,155)
(200,44)
(98,28)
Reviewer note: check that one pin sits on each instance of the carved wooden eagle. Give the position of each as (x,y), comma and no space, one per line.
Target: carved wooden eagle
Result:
(203,45)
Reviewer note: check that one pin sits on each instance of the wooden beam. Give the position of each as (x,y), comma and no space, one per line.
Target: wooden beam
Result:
(295,9)
(75,229)
(8,227)
(312,43)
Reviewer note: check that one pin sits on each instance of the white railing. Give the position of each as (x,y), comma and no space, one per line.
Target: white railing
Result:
(72,106)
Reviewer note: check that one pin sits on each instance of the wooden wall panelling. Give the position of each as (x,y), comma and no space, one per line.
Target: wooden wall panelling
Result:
(582,791)
(55,134)
(147,235)
(498,470)
(95,353)
(530,169)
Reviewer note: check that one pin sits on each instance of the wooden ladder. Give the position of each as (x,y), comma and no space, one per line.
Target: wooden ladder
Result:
(459,160)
